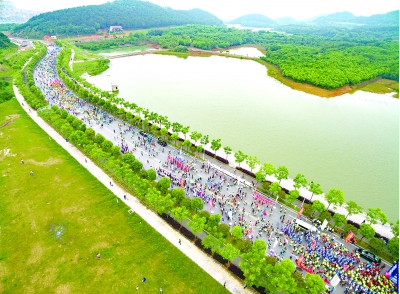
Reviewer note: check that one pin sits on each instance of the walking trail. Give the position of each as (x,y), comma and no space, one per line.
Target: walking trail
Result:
(214,269)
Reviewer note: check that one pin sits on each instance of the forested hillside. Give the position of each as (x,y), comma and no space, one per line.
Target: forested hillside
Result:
(327,62)
(130,14)
(254,20)
(390,18)
(5,42)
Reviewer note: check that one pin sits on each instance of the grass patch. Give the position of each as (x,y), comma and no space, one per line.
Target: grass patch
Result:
(54,223)
(382,86)
(93,67)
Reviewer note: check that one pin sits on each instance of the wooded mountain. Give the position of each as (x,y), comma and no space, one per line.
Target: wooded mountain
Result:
(254,21)
(5,42)
(130,14)
(390,18)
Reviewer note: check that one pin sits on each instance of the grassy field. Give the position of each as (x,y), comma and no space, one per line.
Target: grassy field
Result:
(93,67)
(382,86)
(53,224)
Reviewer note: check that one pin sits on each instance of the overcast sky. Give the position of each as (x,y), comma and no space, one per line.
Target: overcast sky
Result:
(228,9)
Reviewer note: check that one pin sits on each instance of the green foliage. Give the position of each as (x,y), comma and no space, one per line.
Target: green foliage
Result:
(376,214)
(212,243)
(300,181)
(5,42)
(348,228)
(366,231)
(339,219)
(325,215)
(335,197)
(254,21)
(213,222)
(237,232)
(151,174)
(307,209)
(197,224)
(292,196)
(275,188)
(181,49)
(130,15)
(196,204)
(300,283)
(252,161)
(178,194)
(268,168)
(353,208)
(393,247)
(240,157)
(245,246)
(282,173)
(315,284)
(318,206)
(180,213)
(229,252)
(216,145)
(164,184)
(224,230)
(395,228)
(376,245)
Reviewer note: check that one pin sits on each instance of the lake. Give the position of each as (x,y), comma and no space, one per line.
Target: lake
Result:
(349,142)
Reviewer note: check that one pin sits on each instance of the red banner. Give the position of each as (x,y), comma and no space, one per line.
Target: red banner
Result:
(349,237)
(300,212)
(300,260)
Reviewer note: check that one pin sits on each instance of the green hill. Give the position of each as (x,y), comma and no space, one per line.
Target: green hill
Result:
(130,14)
(390,18)
(253,20)
(5,42)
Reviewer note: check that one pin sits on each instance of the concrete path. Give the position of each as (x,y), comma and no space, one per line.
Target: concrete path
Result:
(214,269)
(71,60)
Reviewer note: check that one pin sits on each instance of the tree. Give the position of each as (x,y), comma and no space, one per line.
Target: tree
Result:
(245,246)
(98,139)
(90,133)
(268,168)
(154,129)
(199,148)
(185,130)
(212,243)
(279,277)
(164,184)
(376,245)
(197,224)
(174,137)
(293,195)
(376,214)
(339,219)
(366,231)
(216,145)
(106,145)
(213,222)
(252,265)
(227,150)
(260,176)
(236,232)
(275,188)
(335,196)
(395,228)
(349,228)
(229,252)
(300,283)
(353,208)
(282,173)
(159,202)
(299,181)
(195,136)
(180,213)
(164,132)
(196,204)
(240,157)
(252,161)
(315,189)
(315,284)
(318,206)
(224,230)
(393,247)
(178,194)
(152,175)
(187,144)
(204,140)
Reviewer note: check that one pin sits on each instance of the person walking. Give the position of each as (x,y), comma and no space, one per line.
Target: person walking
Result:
(22,161)
(180,243)
(31,173)
(143,280)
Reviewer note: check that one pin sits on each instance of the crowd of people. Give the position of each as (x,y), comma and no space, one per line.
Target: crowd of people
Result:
(237,201)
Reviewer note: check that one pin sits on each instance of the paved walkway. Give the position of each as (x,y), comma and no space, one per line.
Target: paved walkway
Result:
(214,269)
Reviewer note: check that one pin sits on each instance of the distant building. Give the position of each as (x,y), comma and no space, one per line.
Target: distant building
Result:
(53,37)
(114,29)
(114,88)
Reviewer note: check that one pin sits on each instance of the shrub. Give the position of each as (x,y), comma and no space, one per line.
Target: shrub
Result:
(245,246)
(224,230)
(348,228)
(325,215)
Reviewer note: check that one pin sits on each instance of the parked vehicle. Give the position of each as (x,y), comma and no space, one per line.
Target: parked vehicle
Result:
(368,255)
(162,143)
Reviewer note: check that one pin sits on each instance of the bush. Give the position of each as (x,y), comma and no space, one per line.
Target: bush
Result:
(245,246)
(151,174)
(307,210)
(376,245)
(204,213)
(224,230)
(325,215)
(348,228)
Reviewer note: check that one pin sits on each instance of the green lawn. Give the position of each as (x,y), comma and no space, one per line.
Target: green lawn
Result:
(92,67)
(63,198)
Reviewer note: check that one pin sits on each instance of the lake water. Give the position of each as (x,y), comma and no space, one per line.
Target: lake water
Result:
(349,142)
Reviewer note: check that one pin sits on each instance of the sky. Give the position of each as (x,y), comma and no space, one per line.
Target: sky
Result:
(228,9)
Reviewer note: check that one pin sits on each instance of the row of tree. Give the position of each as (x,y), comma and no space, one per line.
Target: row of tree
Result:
(160,125)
